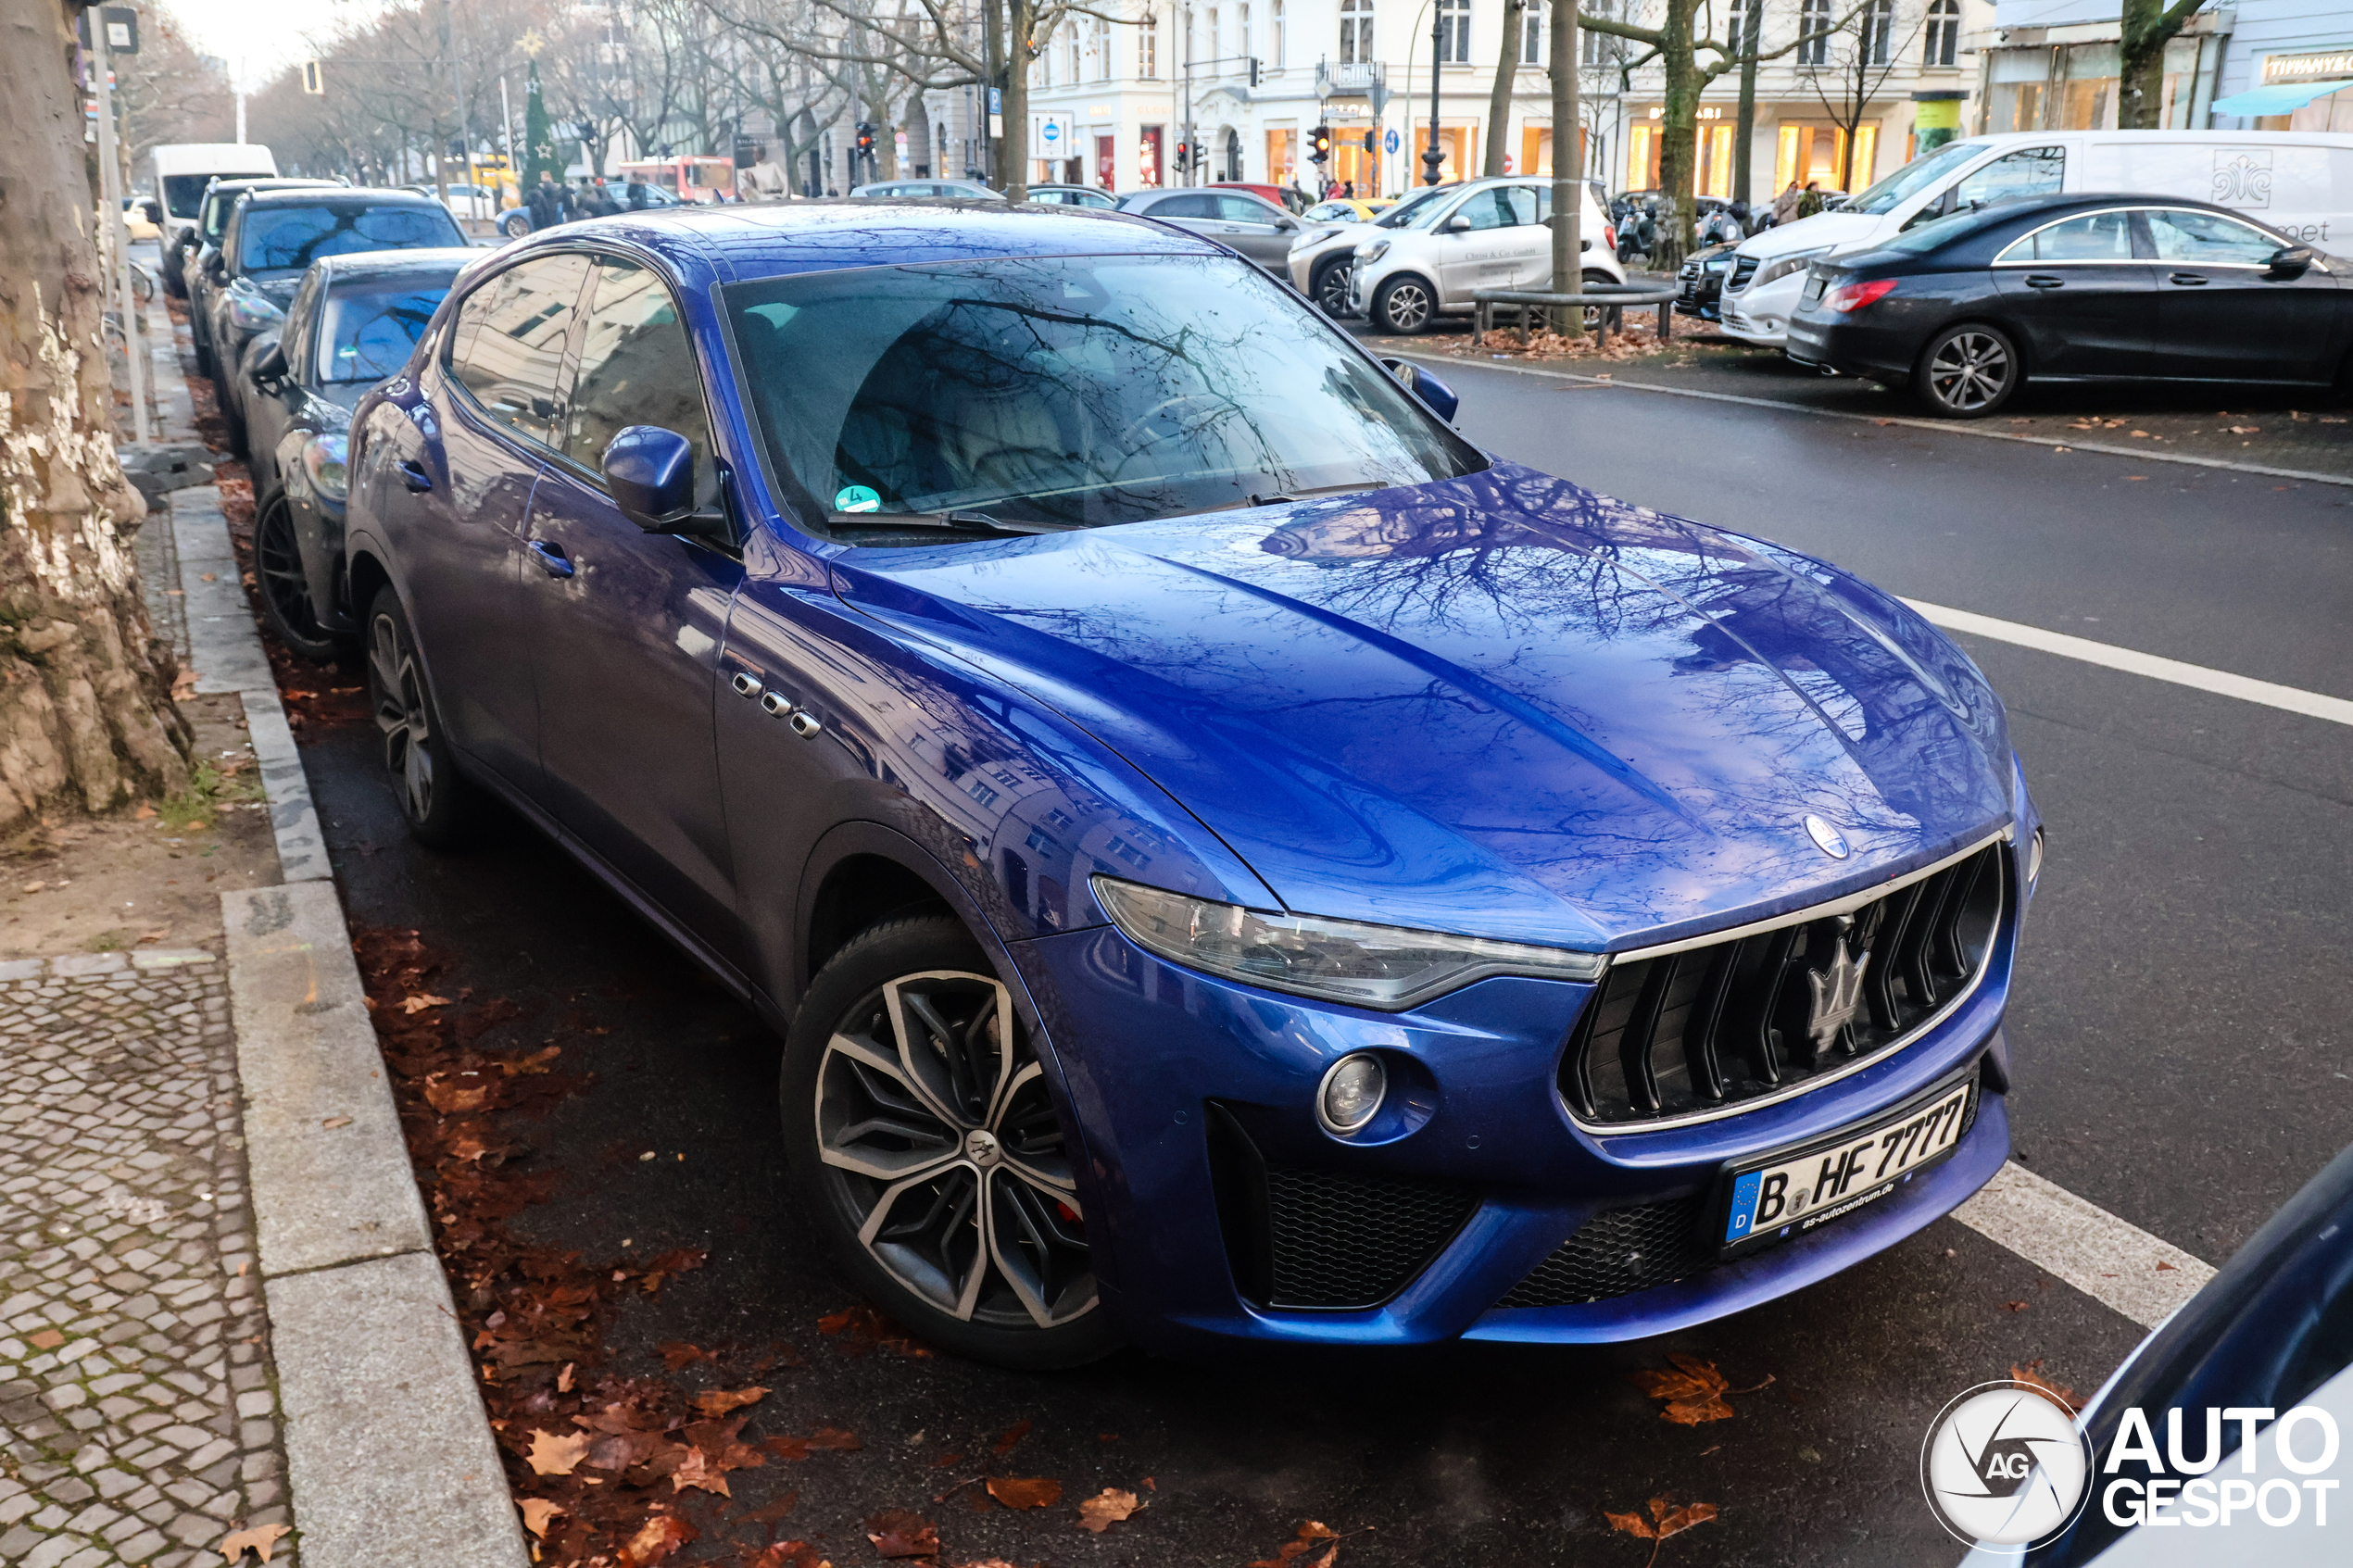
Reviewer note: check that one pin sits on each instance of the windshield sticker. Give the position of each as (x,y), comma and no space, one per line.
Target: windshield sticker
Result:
(857,498)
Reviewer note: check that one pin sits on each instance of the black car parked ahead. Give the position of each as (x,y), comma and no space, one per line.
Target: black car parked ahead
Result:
(1966,309)
(351,324)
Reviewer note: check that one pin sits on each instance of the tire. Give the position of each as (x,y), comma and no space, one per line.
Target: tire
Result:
(1589,277)
(1329,288)
(514,225)
(1967,372)
(941,1180)
(1405,304)
(438,800)
(285,586)
(231,415)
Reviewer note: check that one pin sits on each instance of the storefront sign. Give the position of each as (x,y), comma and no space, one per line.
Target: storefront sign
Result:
(2327,65)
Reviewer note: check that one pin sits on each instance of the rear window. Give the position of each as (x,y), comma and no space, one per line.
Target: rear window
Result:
(182,193)
(365,334)
(287,239)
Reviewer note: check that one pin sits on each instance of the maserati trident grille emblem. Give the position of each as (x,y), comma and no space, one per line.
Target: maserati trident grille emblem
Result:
(1827,838)
(1838,992)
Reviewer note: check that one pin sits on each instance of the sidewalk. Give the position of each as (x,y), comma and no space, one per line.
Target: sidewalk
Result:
(221,1320)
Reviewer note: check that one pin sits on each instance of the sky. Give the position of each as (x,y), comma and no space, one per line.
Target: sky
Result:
(261,37)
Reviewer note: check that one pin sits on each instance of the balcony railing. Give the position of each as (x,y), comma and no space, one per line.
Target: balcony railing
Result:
(1334,77)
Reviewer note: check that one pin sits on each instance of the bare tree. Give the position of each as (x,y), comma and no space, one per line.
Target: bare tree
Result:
(2148,27)
(1847,65)
(86,719)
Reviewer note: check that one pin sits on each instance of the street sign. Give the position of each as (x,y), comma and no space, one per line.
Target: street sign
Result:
(1388,143)
(1053,135)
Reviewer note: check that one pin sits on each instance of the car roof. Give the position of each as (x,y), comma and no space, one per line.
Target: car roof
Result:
(364,195)
(369,264)
(743,241)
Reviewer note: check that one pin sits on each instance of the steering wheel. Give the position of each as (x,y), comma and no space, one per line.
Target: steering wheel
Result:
(1147,415)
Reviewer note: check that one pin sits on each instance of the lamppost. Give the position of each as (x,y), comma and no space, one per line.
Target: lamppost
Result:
(1431,156)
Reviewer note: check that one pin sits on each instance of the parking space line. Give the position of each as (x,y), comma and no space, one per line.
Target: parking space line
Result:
(2114,1262)
(1941,427)
(2335,710)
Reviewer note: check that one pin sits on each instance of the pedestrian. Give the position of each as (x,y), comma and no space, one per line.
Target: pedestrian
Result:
(1811,202)
(1785,204)
(636,198)
(547,202)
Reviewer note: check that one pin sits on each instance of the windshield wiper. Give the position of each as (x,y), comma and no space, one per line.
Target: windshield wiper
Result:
(959,520)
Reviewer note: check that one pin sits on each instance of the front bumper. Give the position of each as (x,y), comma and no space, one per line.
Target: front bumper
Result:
(1760,313)
(1160,1065)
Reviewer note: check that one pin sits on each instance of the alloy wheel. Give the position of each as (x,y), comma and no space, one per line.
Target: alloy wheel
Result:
(285,586)
(1969,372)
(943,1147)
(1406,305)
(1331,289)
(396,689)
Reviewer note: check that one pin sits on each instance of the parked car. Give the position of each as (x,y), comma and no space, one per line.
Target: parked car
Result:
(184,169)
(1285,199)
(2301,182)
(1235,219)
(930,190)
(985,667)
(1324,250)
(514,219)
(467,201)
(1965,310)
(1494,234)
(211,216)
(2269,1335)
(144,216)
(1700,282)
(1073,195)
(242,286)
(1348,210)
(351,323)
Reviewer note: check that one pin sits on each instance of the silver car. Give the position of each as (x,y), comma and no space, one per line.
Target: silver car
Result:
(929,190)
(1234,219)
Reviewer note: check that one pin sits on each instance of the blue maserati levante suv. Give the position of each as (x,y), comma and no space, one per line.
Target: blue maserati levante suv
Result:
(1228,859)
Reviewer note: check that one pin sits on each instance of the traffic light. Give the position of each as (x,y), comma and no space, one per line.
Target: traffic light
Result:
(313,79)
(1321,145)
(1254,71)
(1372,141)
(1184,156)
(865,139)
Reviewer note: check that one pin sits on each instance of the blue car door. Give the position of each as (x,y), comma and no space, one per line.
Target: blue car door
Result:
(625,625)
(468,456)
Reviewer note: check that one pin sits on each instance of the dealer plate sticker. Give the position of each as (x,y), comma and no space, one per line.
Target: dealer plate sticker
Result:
(1793,1193)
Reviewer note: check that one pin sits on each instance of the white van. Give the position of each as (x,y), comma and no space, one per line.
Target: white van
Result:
(2299,182)
(184,169)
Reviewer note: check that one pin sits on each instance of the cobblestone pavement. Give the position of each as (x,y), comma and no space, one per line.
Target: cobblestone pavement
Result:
(136,1403)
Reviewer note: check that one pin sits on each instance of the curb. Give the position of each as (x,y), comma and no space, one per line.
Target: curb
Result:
(389,1453)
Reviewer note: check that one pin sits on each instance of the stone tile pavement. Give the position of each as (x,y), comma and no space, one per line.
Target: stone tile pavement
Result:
(138,1424)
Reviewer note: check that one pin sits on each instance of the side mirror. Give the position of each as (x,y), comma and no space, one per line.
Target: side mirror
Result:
(1458,224)
(1285,224)
(1424,385)
(269,366)
(651,474)
(213,263)
(2291,261)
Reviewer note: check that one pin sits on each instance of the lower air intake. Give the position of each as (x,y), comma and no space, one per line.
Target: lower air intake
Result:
(1618,1252)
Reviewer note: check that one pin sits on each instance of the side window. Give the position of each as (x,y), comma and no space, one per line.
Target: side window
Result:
(510,344)
(1523,200)
(636,368)
(1242,209)
(1489,209)
(302,316)
(1186,207)
(2212,238)
(2096,237)
(2029,172)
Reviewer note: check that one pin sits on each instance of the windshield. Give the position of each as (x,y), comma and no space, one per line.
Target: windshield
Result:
(1067,391)
(365,334)
(181,193)
(1417,210)
(287,239)
(1914,177)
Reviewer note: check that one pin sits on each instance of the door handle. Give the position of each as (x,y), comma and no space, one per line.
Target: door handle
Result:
(551,557)
(2045,281)
(414,476)
(2188,279)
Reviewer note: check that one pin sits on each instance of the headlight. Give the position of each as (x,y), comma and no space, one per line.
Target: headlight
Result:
(254,312)
(323,460)
(1782,266)
(1342,960)
(2035,859)
(1372,253)
(1313,237)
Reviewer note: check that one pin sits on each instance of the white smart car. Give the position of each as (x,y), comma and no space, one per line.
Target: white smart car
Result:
(1493,234)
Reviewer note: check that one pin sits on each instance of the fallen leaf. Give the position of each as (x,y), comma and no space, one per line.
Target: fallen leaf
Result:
(949,1461)
(719,1401)
(1693,1392)
(536,1512)
(769,1513)
(451,1101)
(695,1471)
(1015,1493)
(263,1538)
(2162,1264)
(660,1536)
(47,1339)
(553,1455)
(1107,1508)
(676,1354)
(333,1122)
(419,1003)
(827,1439)
(1310,1533)
(1666,1520)
(790,1554)
(564,1379)
(2032,1375)
(2015,1306)
(901,1532)
(34,886)
(143,813)
(1013,1433)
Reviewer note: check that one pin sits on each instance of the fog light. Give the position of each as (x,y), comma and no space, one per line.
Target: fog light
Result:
(2035,859)
(1352,1093)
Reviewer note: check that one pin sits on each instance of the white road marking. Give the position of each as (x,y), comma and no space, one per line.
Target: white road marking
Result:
(2336,710)
(1943,427)
(2116,1263)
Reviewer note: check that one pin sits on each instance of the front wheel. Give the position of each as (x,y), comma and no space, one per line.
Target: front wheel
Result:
(285,584)
(514,225)
(436,798)
(1968,371)
(1404,305)
(1331,290)
(923,1141)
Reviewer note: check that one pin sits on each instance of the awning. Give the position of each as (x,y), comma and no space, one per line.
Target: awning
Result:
(2285,97)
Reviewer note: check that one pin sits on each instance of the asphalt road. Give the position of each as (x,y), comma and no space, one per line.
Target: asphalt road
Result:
(2178,1030)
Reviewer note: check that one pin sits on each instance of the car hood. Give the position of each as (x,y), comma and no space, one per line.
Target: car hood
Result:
(1832,229)
(1499,705)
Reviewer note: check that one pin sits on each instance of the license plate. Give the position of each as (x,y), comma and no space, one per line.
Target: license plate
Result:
(1791,1192)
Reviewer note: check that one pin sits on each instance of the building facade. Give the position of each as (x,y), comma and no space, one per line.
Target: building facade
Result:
(2051,64)
(1235,89)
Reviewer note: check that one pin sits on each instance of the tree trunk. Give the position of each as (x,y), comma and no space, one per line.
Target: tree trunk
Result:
(2148,27)
(86,719)
(1569,168)
(1012,168)
(1744,125)
(1679,133)
(1499,98)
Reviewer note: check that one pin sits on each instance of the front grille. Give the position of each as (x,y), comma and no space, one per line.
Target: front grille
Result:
(1307,1236)
(1743,268)
(1618,1252)
(1697,1031)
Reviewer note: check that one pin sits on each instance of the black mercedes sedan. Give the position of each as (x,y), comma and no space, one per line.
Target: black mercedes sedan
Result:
(1965,309)
(351,323)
